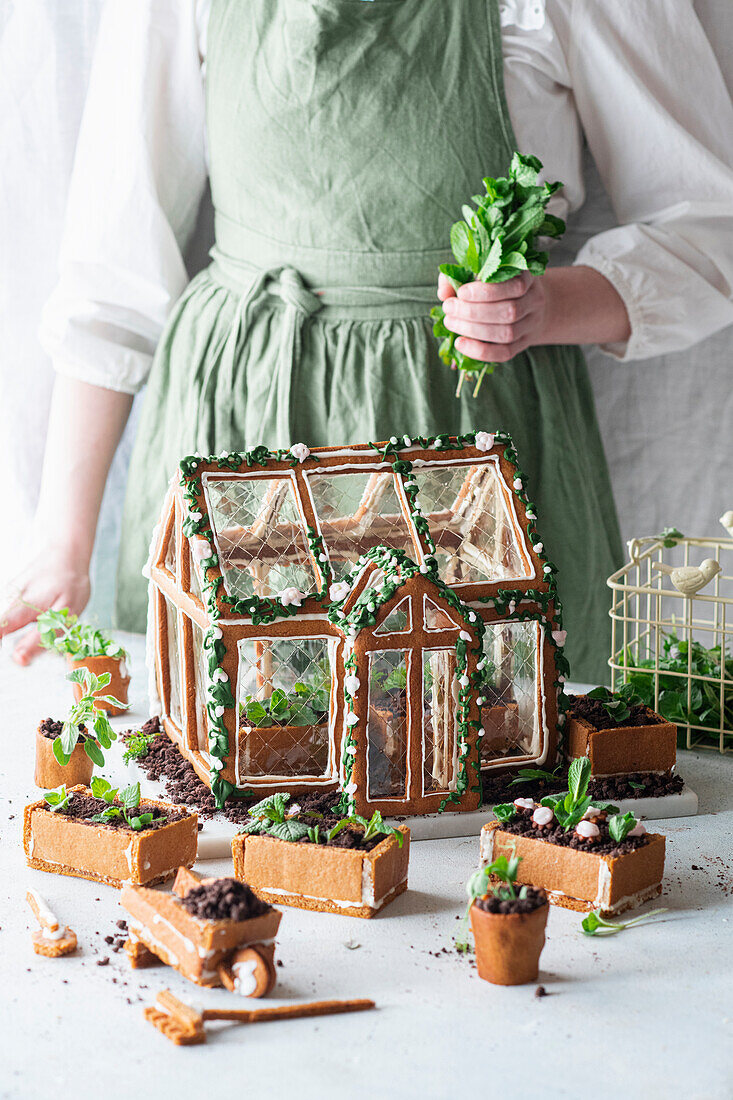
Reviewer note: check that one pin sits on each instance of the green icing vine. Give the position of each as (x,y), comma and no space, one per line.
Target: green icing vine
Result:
(346,802)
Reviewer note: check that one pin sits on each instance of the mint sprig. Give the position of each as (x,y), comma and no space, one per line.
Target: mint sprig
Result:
(129,800)
(495,242)
(596,925)
(85,713)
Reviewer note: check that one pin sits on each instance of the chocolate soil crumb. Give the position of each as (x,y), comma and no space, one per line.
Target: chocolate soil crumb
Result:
(592,711)
(540,991)
(82,807)
(224,899)
(165,763)
(523,825)
(49,727)
(497,788)
(533,899)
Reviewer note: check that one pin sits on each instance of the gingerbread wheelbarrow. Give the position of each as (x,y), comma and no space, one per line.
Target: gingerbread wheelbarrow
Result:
(214,931)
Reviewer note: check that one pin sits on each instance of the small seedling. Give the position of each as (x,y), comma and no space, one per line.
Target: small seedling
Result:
(376,826)
(129,800)
(596,925)
(138,746)
(85,713)
(617,705)
(478,886)
(526,775)
(59,799)
(306,705)
(63,633)
(570,807)
(620,825)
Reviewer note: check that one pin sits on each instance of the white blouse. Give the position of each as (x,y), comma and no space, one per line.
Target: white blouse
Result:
(638,80)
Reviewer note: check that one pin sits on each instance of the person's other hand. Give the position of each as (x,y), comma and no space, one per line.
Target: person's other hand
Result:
(495,321)
(51,579)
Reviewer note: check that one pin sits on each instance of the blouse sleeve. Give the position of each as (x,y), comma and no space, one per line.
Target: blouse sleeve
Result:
(659,123)
(137,184)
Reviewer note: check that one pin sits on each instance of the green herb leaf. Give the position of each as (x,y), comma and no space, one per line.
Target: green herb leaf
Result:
(505,811)
(130,796)
(620,825)
(59,799)
(579,777)
(289,829)
(93,751)
(57,749)
(596,925)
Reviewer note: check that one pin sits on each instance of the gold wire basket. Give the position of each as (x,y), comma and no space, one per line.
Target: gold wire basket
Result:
(652,622)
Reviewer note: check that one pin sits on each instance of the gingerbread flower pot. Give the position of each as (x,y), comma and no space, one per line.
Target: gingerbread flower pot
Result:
(116,668)
(49,772)
(509,945)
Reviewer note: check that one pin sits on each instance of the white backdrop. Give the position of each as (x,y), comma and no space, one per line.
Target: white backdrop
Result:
(667,423)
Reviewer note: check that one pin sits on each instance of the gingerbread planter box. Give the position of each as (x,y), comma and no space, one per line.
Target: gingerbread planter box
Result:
(213,931)
(347,618)
(349,881)
(66,841)
(650,745)
(581,879)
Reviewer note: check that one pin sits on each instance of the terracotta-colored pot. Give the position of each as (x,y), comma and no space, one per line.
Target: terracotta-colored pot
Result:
(509,945)
(118,685)
(49,773)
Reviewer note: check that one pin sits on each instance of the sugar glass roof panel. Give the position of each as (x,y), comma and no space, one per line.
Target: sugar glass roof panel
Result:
(260,536)
(357,511)
(476,537)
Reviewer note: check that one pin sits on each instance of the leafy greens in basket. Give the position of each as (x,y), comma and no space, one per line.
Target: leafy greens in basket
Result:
(494,243)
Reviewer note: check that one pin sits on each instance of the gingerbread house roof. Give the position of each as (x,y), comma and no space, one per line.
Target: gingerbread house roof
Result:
(272,534)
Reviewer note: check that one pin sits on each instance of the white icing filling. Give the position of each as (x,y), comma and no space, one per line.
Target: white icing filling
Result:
(55,934)
(524,803)
(244,977)
(128,855)
(543,815)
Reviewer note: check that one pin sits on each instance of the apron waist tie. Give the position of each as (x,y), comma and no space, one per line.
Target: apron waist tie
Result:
(300,303)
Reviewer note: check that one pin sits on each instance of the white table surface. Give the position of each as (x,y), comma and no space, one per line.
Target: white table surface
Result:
(646,1014)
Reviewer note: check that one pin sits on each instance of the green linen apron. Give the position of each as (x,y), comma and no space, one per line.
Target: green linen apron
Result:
(344,135)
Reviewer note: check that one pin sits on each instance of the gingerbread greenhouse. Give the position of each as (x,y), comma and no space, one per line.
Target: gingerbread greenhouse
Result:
(379,619)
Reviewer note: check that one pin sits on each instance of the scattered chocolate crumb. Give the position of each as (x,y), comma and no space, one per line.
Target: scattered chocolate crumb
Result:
(540,991)
(122,924)
(279,962)
(104,961)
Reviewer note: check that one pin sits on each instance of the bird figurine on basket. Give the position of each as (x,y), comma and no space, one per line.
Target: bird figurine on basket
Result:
(689,579)
(727,520)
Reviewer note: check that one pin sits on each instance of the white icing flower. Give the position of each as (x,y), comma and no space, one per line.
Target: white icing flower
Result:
(201,549)
(352,719)
(299,451)
(638,830)
(548,569)
(424,568)
(484,441)
(224,454)
(531,515)
(322,557)
(339,591)
(543,815)
(393,440)
(291,597)
(465,636)
(482,664)
(587,829)
(559,637)
(195,516)
(591,813)
(216,633)
(480,701)
(463,747)
(463,681)
(350,750)
(539,547)
(406,440)
(350,788)
(481,733)
(217,764)
(352,684)
(561,679)
(524,803)
(517,484)
(472,616)
(219,711)
(512,606)
(220,676)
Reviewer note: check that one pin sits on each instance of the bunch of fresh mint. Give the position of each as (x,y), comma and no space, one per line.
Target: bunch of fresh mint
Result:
(495,242)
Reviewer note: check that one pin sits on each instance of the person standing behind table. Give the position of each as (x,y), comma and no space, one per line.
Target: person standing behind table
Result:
(343,137)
